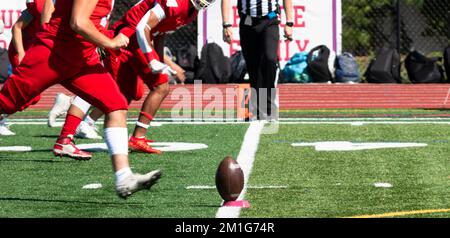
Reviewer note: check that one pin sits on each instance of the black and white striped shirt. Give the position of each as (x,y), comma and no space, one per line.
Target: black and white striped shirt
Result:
(257,8)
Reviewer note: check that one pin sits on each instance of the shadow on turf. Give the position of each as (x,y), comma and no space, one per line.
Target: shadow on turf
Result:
(47,136)
(66,201)
(50,160)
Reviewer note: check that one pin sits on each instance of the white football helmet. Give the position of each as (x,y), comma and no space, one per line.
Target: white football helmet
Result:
(202,4)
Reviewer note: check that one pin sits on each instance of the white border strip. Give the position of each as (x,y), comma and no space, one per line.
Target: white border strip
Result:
(207,187)
(354,123)
(245,159)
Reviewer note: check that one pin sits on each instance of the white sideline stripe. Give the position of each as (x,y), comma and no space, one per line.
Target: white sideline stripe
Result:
(361,123)
(206,187)
(245,159)
(60,124)
(346,119)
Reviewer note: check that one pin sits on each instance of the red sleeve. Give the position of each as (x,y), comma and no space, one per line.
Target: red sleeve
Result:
(39,6)
(132,18)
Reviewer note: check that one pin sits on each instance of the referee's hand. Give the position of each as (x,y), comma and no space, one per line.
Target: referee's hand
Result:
(288,33)
(227,34)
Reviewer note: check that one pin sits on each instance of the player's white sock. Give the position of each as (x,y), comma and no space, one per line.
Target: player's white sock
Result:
(89,120)
(123,174)
(117,140)
(81,104)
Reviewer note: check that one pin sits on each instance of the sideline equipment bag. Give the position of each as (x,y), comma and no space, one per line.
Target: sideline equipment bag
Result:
(295,69)
(422,69)
(214,67)
(318,67)
(238,67)
(347,69)
(187,58)
(385,67)
(447,62)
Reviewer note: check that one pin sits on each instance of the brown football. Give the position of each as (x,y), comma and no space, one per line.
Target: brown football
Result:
(229,179)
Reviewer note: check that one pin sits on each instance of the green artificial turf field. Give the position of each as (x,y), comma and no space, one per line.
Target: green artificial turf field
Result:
(285,181)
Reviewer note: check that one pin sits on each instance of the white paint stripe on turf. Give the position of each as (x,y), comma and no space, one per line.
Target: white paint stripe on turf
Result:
(15,148)
(245,159)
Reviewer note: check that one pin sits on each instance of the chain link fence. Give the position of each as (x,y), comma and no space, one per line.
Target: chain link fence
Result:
(406,25)
(182,37)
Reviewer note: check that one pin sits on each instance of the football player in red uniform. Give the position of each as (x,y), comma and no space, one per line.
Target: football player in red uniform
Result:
(65,53)
(146,24)
(23,33)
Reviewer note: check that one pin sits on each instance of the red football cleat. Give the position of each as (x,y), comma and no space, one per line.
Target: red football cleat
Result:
(65,147)
(141,145)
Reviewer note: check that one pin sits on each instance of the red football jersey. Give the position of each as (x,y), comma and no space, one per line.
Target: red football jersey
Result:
(177,14)
(59,35)
(34,7)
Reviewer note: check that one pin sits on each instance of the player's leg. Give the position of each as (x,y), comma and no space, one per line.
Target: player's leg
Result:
(14,61)
(13,57)
(269,67)
(64,145)
(23,86)
(87,128)
(251,50)
(159,89)
(106,96)
(158,92)
(60,108)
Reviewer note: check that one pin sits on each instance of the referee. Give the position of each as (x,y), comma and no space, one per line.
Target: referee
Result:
(259,36)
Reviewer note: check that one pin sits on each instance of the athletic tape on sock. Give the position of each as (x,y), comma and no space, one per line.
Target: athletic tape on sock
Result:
(117,140)
(81,104)
(122,174)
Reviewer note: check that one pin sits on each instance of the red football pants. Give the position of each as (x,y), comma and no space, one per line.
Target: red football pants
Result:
(130,70)
(41,68)
(14,61)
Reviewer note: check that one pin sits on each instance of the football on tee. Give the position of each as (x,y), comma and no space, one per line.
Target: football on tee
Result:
(229,179)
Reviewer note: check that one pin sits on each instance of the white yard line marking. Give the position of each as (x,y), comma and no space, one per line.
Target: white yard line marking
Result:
(208,187)
(15,148)
(93,186)
(245,159)
(350,146)
(382,185)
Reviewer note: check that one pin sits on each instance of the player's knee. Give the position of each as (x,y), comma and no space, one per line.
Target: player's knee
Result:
(162,89)
(119,103)
(116,118)
(11,97)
